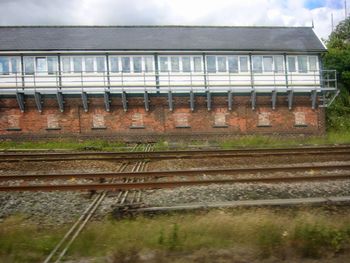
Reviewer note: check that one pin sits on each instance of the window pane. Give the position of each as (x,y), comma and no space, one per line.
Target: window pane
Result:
(279,64)
(77,65)
(257,64)
(89,64)
(211,64)
(4,65)
(100,64)
(163,61)
(15,65)
(114,66)
(186,64)
(313,63)
(243,63)
(66,64)
(126,64)
(51,65)
(233,64)
(29,65)
(149,64)
(197,63)
(291,64)
(302,64)
(268,62)
(222,64)
(137,64)
(40,64)
(175,64)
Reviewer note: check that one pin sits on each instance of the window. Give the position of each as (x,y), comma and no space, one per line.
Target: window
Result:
(15,65)
(279,64)
(40,64)
(291,64)
(211,64)
(233,64)
(268,63)
(302,64)
(175,64)
(312,63)
(114,64)
(126,64)
(51,65)
(66,64)
(257,64)
(243,63)
(4,66)
(137,64)
(100,64)
(197,64)
(163,64)
(222,64)
(186,64)
(77,64)
(149,64)
(89,64)
(29,65)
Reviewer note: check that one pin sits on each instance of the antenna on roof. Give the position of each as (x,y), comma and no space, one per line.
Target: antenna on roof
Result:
(312,23)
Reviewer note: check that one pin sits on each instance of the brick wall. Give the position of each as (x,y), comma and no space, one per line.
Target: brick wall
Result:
(159,120)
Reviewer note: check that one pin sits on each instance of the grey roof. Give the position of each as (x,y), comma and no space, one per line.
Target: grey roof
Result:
(42,38)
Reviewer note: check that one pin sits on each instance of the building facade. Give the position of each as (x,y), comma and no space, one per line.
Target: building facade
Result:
(137,82)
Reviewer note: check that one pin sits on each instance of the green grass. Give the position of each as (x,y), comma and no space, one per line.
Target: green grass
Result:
(263,233)
(260,141)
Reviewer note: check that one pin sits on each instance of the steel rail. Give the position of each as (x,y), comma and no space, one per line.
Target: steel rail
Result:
(5,157)
(171,184)
(158,174)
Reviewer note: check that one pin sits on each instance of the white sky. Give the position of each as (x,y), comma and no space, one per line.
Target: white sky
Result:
(174,12)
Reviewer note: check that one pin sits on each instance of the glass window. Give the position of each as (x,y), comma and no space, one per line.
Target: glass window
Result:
(302,64)
(100,64)
(197,64)
(186,64)
(243,63)
(40,64)
(77,64)
(126,64)
(163,64)
(233,64)
(279,64)
(312,63)
(175,64)
(114,64)
(268,63)
(66,64)
(222,64)
(211,64)
(291,64)
(89,64)
(137,64)
(29,65)
(257,64)
(149,64)
(51,65)
(4,65)
(15,65)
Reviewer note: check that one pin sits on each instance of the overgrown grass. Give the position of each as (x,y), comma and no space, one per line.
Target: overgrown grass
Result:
(262,233)
(68,144)
(260,141)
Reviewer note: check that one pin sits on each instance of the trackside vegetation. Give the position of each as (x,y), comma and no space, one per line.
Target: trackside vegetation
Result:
(241,234)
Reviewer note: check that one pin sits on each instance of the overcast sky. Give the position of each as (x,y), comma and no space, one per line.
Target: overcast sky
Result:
(174,12)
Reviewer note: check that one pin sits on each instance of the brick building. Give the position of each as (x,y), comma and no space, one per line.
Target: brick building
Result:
(137,82)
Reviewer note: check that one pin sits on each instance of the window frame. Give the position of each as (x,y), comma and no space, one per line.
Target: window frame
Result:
(10,65)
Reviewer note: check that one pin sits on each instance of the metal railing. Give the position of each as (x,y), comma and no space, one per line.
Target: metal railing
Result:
(168,81)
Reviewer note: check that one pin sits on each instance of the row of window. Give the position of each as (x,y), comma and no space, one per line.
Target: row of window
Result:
(138,64)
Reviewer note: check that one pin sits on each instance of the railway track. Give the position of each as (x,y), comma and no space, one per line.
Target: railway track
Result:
(137,179)
(62,247)
(181,154)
